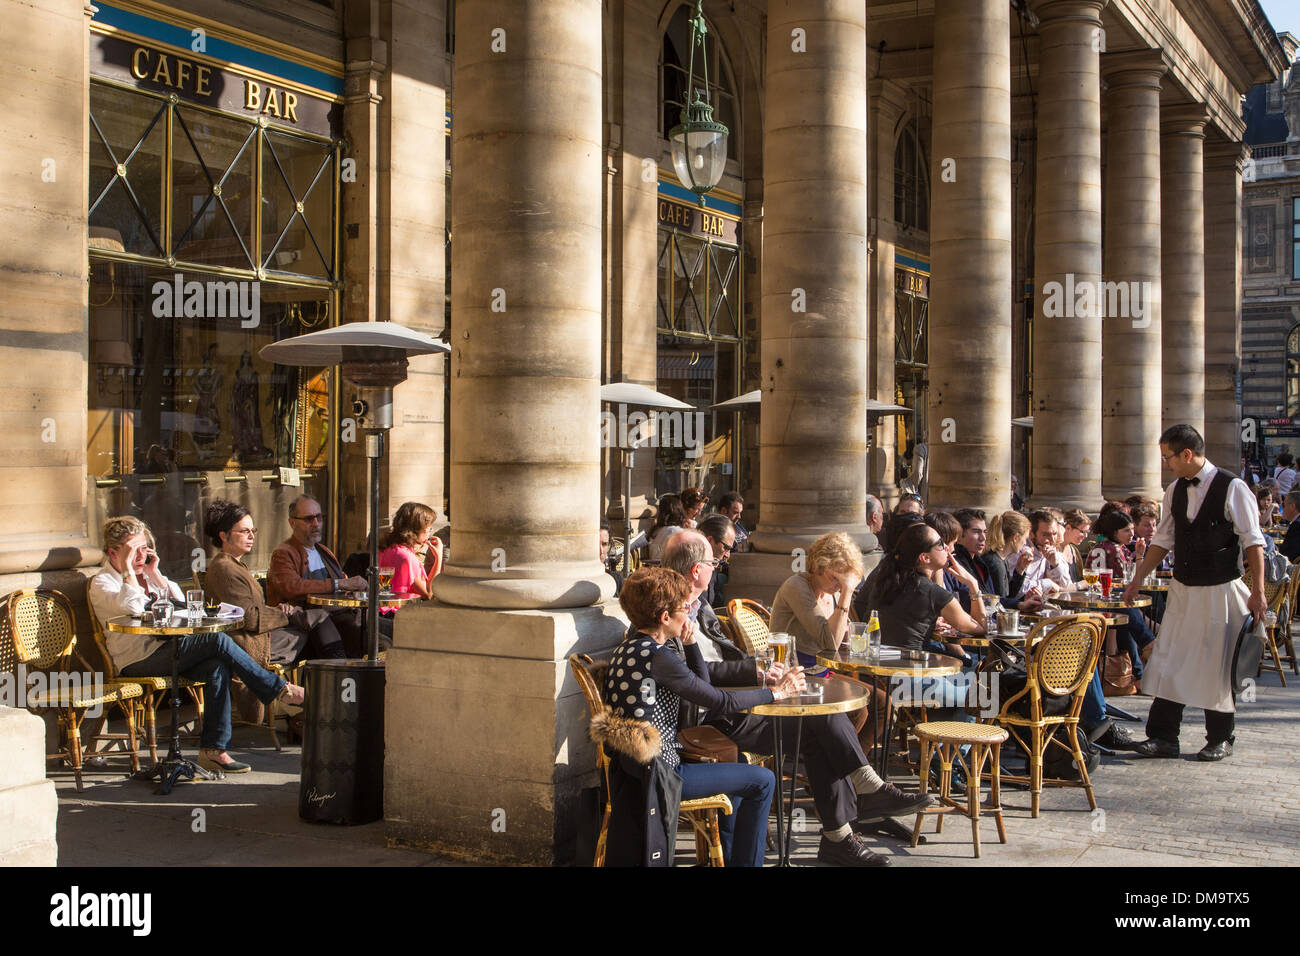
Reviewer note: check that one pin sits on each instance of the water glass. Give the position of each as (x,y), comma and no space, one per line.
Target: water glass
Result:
(764,659)
(194,604)
(873,650)
(162,612)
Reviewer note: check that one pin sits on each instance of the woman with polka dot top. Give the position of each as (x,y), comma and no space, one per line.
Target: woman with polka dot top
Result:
(647,679)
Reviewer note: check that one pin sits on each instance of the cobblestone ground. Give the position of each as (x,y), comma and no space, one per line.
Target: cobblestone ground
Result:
(1243,811)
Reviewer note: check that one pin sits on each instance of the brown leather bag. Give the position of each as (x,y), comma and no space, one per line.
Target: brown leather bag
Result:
(707,745)
(1116,671)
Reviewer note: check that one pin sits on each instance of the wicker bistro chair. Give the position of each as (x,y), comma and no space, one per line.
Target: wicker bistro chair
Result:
(702,813)
(946,738)
(44,634)
(1284,637)
(1278,595)
(155,692)
(1062,656)
(749,625)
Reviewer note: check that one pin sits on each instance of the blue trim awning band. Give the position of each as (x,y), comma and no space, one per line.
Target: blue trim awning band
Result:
(685,195)
(217,48)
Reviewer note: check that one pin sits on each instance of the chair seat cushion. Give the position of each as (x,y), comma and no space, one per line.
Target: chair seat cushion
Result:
(956,732)
(109,694)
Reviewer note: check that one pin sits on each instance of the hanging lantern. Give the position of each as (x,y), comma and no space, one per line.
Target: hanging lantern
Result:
(699,145)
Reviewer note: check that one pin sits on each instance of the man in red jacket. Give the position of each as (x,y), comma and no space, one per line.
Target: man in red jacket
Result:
(303,566)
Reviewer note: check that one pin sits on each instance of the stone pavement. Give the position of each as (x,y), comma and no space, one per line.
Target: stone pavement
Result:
(1243,811)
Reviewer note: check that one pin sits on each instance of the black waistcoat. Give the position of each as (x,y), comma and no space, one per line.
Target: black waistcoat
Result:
(1206,549)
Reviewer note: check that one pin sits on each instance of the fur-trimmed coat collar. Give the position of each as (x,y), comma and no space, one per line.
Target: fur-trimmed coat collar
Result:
(638,739)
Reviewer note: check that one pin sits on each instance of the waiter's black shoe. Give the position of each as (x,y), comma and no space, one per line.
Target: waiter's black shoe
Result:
(1215,751)
(1156,748)
(851,851)
(889,801)
(1117,738)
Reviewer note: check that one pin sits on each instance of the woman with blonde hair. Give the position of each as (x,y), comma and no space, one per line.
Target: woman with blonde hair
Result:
(1008,533)
(814,606)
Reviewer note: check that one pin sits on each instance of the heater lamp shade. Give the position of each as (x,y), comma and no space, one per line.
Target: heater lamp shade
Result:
(340,344)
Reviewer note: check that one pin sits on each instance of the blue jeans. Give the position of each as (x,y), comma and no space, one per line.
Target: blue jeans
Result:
(744,832)
(210,658)
(1093,711)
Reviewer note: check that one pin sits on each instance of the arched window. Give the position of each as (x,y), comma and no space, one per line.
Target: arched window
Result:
(911,181)
(674,71)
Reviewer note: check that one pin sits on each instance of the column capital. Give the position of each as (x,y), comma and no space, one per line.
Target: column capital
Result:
(1226,154)
(1050,10)
(1134,68)
(1187,119)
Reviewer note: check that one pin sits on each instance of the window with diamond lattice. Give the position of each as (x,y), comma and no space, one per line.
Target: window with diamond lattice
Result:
(699,287)
(227,177)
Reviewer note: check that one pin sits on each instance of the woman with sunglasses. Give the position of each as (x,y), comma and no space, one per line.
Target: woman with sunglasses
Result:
(643,687)
(272,634)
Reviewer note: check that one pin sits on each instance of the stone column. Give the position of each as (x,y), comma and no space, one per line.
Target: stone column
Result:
(1182,266)
(814,355)
(1067,257)
(887,102)
(1223,162)
(1130,375)
(500,777)
(970,255)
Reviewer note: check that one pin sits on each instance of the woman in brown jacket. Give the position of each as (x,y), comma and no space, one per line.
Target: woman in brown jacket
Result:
(272,634)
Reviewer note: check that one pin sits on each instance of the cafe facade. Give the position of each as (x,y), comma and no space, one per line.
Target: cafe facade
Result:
(193,181)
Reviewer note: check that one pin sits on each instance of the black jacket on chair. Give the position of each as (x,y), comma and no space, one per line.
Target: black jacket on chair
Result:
(644,793)
(1290,545)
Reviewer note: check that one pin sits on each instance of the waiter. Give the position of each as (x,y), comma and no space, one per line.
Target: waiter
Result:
(1210,520)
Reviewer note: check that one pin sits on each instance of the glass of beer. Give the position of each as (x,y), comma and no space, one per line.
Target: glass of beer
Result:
(782,648)
(386,578)
(1090,578)
(1104,576)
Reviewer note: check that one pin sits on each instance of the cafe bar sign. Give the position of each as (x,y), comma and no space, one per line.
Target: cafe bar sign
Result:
(705,223)
(196,79)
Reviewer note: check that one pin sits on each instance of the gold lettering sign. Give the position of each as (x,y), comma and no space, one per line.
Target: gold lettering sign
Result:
(699,222)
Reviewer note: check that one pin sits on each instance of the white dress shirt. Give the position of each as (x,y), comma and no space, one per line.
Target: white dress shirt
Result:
(1042,568)
(111,595)
(1240,508)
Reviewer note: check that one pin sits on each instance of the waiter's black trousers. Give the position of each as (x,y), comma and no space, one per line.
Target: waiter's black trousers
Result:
(830,752)
(1166,716)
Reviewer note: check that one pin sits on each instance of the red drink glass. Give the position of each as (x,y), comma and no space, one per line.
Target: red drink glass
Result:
(1104,578)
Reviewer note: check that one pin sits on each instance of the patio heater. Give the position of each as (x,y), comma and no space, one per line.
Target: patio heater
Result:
(624,394)
(343,735)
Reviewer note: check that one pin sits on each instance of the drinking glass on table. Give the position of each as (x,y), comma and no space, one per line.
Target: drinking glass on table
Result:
(194,604)
(162,611)
(782,647)
(764,658)
(1104,577)
(858,639)
(386,578)
(1090,578)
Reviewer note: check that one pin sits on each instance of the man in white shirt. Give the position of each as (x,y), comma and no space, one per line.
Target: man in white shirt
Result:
(1047,570)
(1210,519)
(1285,472)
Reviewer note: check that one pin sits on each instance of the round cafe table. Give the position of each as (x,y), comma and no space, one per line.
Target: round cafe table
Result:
(175,765)
(837,697)
(891,666)
(1089,603)
(360,599)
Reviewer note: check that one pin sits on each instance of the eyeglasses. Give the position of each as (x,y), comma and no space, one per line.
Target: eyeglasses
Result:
(1170,455)
(312,518)
(683,608)
(247,531)
(936,544)
(712,562)
(726,548)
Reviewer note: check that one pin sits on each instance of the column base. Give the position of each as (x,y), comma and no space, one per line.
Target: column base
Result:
(778,542)
(586,586)
(29,808)
(486,729)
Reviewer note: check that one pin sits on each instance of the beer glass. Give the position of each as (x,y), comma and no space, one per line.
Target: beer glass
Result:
(1104,576)
(386,578)
(781,646)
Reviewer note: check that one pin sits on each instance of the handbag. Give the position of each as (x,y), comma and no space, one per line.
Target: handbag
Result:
(1249,652)
(1116,671)
(704,744)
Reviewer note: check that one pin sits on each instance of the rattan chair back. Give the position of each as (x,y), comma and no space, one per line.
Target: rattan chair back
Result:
(749,625)
(43,628)
(110,669)
(1063,660)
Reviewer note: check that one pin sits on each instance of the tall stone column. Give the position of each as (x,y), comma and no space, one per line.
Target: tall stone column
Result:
(814,372)
(1223,161)
(970,255)
(1182,265)
(501,778)
(1067,257)
(1130,375)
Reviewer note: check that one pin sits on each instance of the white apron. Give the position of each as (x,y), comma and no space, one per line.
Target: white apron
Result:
(1192,659)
